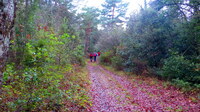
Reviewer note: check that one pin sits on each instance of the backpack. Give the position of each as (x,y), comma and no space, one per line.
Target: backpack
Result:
(99,53)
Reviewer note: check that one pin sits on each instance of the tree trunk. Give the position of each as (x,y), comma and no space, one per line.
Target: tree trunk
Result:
(113,17)
(145,4)
(7,11)
(113,13)
(88,31)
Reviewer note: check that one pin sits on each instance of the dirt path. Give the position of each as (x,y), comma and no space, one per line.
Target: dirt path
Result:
(113,93)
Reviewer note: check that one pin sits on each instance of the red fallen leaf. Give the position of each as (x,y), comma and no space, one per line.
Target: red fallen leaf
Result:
(81,85)
(45,28)
(28,36)
(172,96)
(149,109)
(103,99)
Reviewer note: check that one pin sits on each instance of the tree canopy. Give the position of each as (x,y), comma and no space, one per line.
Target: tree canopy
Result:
(113,12)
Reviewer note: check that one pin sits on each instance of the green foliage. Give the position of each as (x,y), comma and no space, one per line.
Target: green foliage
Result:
(177,67)
(185,86)
(143,47)
(77,56)
(117,62)
(90,16)
(36,84)
(109,58)
(110,39)
(76,92)
(32,88)
(89,23)
(47,45)
(188,39)
(112,12)
(105,57)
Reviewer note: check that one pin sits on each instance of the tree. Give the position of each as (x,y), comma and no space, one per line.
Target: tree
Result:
(110,39)
(181,8)
(113,11)
(90,22)
(7,12)
(184,17)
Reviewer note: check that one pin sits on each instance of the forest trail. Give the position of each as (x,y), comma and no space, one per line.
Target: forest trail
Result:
(113,93)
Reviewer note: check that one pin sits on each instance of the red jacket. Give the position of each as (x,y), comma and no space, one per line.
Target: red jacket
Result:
(99,53)
(91,54)
(95,54)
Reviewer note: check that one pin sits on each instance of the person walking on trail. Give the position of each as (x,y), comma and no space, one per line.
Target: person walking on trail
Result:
(95,57)
(99,53)
(91,56)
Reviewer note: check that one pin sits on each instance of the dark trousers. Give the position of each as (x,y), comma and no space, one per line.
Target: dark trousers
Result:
(95,58)
(91,58)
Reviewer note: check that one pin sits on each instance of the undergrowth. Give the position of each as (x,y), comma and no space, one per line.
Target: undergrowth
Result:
(76,86)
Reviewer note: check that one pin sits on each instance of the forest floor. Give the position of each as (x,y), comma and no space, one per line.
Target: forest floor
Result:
(111,92)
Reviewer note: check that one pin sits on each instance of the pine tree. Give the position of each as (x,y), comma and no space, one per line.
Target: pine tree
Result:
(113,12)
(90,22)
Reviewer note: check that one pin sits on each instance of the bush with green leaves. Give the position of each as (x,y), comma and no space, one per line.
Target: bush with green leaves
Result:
(32,88)
(117,62)
(185,86)
(179,68)
(36,85)
(105,57)
(77,56)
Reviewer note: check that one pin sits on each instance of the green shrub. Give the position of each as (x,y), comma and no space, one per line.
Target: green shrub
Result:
(36,85)
(177,67)
(185,86)
(34,88)
(139,67)
(78,56)
(117,62)
(105,58)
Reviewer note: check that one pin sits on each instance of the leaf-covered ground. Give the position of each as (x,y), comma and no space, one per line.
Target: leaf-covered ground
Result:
(118,93)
